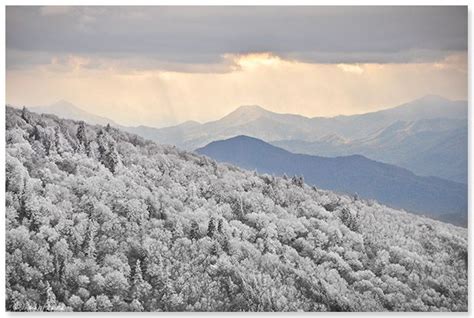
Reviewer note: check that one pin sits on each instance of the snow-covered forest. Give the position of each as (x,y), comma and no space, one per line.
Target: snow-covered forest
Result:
(99,220)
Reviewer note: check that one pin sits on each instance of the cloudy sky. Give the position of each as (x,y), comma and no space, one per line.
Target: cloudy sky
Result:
(164,65)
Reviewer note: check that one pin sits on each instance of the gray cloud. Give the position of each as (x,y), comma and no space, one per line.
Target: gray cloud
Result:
(202,35)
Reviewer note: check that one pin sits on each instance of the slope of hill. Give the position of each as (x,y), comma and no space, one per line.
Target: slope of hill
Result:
(101,220)
(428,107)
(388,184)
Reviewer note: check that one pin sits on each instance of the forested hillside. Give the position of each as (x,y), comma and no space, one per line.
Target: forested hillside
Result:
(396,187)
(100,220)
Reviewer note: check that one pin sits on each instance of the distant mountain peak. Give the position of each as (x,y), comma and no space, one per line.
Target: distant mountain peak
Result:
(63,102)
(246,108)
(427,107)
(249,110)
(246,113)
(63,105)
(244,139)
(66,109)
(432,98)
(190,123)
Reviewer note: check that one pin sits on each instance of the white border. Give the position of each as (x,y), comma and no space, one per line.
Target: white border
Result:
(215,2)
(242,2)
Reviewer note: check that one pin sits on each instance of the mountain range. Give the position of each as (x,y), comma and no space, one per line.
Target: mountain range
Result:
(388,184)
(427,136)
(429,147)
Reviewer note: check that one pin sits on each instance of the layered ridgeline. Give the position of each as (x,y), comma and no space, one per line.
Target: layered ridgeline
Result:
(427,136)
(434,197)
(98,220)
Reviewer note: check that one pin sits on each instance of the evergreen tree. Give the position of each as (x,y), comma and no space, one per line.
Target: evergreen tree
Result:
(51,303)
(211,228)
(25,114)
(140,288)
(91,248)
(214,248)
(81,134)
(36,134)
(107,151)
(137,281)
(194,234)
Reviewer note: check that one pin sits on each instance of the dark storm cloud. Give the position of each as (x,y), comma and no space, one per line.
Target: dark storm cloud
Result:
(202,35)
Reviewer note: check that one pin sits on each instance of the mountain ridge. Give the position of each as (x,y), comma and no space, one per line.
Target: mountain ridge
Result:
(261,110)
(65,109)
(343,135)
(371,179)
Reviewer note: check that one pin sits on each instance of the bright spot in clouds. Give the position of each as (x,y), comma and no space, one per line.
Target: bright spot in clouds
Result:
(254,60)
(351,68)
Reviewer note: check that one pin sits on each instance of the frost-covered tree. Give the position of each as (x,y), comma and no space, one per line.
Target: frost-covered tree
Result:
(211,227)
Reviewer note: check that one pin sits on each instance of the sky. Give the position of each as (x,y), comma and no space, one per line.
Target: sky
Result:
(160,66)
